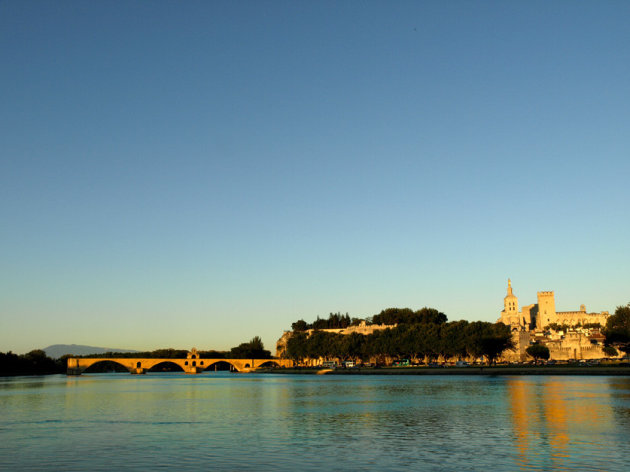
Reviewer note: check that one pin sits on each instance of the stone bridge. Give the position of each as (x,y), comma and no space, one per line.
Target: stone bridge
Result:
(193,364)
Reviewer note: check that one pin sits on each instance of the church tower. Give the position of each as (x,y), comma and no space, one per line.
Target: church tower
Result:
(510,315)
(510,302)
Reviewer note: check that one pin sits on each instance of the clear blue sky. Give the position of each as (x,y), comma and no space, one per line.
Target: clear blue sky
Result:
(198,173)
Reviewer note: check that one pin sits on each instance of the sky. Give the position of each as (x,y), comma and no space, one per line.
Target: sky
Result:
(178,174)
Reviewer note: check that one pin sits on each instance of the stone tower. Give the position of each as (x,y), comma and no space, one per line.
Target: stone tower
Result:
(510,315)
(546,310)
(510,302)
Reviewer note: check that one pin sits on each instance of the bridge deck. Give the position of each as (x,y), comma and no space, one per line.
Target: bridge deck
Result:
(137,365)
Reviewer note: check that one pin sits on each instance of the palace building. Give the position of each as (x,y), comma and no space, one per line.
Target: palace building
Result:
(542,314)
(576,335)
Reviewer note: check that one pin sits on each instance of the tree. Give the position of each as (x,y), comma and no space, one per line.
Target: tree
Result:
(538,351)
(493,346)
(299,325)
(254,349)
(475,332)
(493,339)
(35,362)
(296,347)
(391,316)
(610,351)
(430,315)
(617,330)
(354,346)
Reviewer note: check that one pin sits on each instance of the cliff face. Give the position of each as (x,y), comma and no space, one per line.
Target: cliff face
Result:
(281,344)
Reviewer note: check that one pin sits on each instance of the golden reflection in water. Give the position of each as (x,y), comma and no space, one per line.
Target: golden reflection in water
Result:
(555,412)
(552,417)
(520,416)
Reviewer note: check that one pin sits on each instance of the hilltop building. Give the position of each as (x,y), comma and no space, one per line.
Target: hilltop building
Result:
(532,324)
(542,314)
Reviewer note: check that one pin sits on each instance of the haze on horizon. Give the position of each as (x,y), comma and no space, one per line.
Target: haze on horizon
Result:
(196,174)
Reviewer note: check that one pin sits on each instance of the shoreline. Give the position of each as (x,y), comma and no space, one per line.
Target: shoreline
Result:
(491,371)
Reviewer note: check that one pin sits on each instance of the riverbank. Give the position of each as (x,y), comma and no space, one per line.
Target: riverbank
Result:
(495,370)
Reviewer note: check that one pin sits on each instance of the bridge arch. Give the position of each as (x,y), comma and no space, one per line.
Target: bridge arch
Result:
(106,365)
(220,365)
(166,366)
(268,363)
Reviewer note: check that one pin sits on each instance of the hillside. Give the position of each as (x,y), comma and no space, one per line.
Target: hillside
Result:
(57,350)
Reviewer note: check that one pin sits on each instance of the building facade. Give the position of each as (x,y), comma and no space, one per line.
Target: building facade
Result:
(575,337)
(542,314)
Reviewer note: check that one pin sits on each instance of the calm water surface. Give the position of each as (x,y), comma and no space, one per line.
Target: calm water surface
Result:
(223,421)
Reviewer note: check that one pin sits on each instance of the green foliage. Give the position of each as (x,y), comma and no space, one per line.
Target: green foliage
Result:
(300,325)
(487,339)
(565,327)
(557,327)
(410,341)
(617,329)
(165,353)
(610,351)
(334,321)
(33,363)
(538,351)
(296,347)
(212,354)
(392,316)
(493,340)
(254,349)
(592,325)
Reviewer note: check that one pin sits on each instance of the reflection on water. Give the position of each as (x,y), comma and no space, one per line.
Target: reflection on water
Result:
(224,421)
(567,423)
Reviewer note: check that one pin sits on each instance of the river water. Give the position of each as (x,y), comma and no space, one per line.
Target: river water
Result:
(223,421)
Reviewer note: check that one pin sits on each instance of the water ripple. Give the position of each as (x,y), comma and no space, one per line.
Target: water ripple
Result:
(288,423)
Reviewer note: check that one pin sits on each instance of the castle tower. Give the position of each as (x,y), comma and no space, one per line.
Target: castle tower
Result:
(546,310)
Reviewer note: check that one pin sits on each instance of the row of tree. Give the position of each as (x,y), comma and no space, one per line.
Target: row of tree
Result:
(565,327)
(334,321)
(390,316)
(420,340)
(397,316)
(33,363)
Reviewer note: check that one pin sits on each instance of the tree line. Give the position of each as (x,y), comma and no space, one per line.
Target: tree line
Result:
(617,330)
(565,327)
(423,334)
(35,362)
(334,321)
(390,316)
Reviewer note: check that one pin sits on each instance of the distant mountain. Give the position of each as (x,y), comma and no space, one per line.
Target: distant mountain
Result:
(57,350)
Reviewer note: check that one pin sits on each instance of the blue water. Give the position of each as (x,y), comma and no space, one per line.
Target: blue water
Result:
(223,421)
